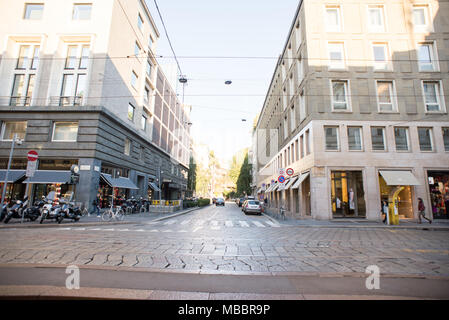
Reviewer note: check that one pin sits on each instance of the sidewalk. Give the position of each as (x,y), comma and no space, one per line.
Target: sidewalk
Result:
(439,224)
(94,220)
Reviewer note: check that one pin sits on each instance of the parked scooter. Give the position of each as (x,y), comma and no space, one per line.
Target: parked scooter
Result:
(3,211)
(51,212)
(19,209)
(69,211)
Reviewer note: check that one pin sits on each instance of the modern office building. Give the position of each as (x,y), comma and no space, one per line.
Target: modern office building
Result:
(79,83)
(357,107)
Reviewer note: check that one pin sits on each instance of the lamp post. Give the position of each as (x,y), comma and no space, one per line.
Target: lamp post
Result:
(19,142)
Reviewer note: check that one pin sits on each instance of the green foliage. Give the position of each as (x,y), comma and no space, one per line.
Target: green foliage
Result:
(191,178)
(245,178)
(203,202)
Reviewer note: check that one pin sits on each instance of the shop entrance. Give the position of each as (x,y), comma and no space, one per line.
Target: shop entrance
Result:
(348,196)
(439,193)
(405,203)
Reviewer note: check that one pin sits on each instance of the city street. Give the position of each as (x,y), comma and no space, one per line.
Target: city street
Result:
(224,241)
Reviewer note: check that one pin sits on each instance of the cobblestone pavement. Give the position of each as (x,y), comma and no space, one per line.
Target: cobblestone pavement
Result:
(224,239)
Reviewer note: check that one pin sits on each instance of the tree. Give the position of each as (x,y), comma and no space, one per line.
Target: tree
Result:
(191,178)
(245,178)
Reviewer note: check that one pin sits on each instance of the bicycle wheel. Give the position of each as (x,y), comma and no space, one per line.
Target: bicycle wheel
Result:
(120,215)
(142,209)
(106,216)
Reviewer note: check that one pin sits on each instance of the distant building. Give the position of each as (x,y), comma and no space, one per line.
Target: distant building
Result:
(80,84)
(357,107)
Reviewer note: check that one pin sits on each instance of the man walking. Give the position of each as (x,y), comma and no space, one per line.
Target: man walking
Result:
(421,211)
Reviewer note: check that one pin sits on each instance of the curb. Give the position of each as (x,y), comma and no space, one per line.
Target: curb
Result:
(94,223)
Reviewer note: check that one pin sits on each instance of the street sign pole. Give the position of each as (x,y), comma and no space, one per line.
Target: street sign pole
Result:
(7,170)
(31,169)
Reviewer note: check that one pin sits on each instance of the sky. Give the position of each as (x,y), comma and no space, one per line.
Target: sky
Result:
(200,29)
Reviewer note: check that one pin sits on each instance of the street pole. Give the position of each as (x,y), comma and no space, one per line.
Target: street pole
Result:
(160,190)
(9,167)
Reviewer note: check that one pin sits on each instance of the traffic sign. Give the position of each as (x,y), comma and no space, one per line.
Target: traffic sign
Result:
(32,156)
(290,171)
(31,168)
(281,179)
(281,171)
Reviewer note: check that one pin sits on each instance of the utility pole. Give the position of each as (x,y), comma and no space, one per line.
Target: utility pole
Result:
(19,142)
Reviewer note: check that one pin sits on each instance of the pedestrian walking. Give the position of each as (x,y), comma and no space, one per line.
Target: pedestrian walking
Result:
(422,211)
(96,204)
(384,211)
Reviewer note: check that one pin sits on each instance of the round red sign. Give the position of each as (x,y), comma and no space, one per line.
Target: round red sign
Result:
(32,155)
(290,171)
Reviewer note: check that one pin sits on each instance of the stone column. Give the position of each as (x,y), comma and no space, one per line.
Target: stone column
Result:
(87,188)
(372,194)
(319,194)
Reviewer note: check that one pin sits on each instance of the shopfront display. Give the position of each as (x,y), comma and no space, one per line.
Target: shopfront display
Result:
(348,195)
(439,193)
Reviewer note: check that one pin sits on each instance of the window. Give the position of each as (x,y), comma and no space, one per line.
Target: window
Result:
(446,138)
(432,96)
(378,138)
(333,21)
(149,68)
(426,57)
(134,78)
(73,89)
(146,97)
(301,139)
(150,42)
(296,154)
(340,95)
(9,128)
(33,11)
(285,128)
(140,22)
(292,118)
(401,138)
(77,56)
(27,54)
(131,112)
(143,122)
(82,11)
(421,19)
(381,56)
(355,138)
(425,139)
(385,96)
(65,131)
(331,136)
(307,138)
(137,50)
(336,55)
(376,19)
(127,148)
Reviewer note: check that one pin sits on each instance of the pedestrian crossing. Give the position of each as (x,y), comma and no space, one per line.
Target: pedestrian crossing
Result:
(184,226)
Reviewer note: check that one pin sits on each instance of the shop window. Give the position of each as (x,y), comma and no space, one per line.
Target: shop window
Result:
(378,138)
(446,138)
(439,193)
(425,139)
(331,136)
(401,139)
(65,131)
(347,192)
(10,128)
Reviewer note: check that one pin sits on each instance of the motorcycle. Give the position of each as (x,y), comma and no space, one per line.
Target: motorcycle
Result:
(35,211)
(3,212)
(69,211)
(51,212)
(19,209)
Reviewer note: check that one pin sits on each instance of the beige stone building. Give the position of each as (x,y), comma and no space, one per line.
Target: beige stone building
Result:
(357,107)
(80,84)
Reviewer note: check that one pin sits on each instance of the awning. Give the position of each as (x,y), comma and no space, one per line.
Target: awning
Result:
(154,187)
(121,182)
(276,186)
(282,186)
(269,188)
(49,177)
(13,175)
(399,178)
(290,183)
(300,180)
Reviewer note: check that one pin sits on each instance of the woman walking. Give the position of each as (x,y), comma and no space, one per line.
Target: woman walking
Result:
(421,211)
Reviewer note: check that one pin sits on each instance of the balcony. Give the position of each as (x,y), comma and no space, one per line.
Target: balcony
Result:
(18,101)
(55,101)
(66,101)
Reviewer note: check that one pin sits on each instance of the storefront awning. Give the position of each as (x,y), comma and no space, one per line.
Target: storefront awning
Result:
(49,177)
(300,180)
(13,175)
(399,178)
(276,186)
(282,185)
(121,182)
(269,188)
(154,187)
(290,183)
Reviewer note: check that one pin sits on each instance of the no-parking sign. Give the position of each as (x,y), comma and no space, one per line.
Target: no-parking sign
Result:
(281,179)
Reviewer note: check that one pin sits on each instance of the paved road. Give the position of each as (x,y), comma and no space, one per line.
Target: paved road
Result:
(223,240)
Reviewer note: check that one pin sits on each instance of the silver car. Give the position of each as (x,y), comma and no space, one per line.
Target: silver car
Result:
(252,206)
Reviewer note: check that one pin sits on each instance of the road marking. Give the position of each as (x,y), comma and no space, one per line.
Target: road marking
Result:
(122,229)
(185,222)
(167,230)
(244,224)
(229,224)
(81,229)
(108,229)
(200,222)
(154,230)
(95,229)
(182,231)
(257,223)
(216,228)
(272,224)
(197,228)
(170,222)
(139,230)
(65,228)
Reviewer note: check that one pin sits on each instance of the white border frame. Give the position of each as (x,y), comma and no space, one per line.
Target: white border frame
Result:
(348,96)
(345,56)
(340,17)
(393,96)
(440,97)
(380,6)
(434,55)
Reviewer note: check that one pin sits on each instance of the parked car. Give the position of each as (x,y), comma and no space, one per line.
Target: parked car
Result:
(219,202)
(252,206)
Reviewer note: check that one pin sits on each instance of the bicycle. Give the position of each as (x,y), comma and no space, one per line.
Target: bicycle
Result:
(282,213)
(116,214)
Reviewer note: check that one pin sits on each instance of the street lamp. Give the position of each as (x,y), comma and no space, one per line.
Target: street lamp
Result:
(15,140)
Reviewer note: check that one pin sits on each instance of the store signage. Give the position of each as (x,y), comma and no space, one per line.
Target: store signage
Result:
(290,171)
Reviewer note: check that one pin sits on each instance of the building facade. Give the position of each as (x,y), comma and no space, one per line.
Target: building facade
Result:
(79,83)
(357,107)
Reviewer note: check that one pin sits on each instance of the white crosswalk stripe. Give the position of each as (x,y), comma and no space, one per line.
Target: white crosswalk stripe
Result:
(185,222)
(169,222)
(276,225)
(258,224)
(244,224)
(215,228)
(229,224)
